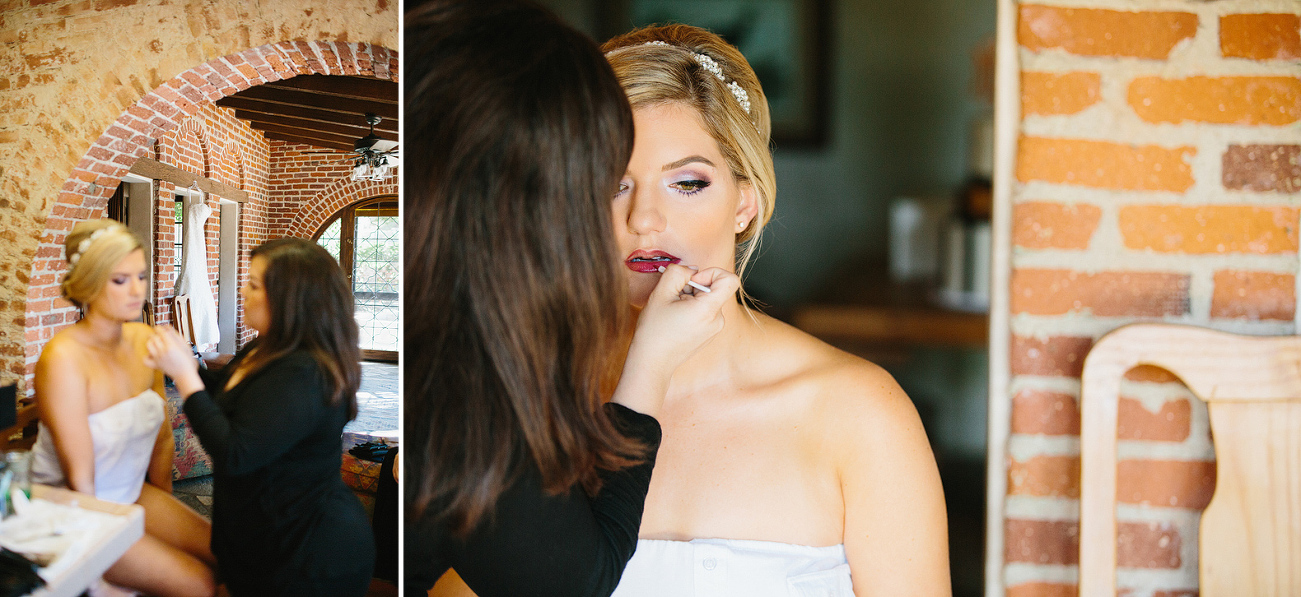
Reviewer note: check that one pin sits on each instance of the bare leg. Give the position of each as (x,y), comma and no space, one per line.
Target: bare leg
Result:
(156,568)
(175,524)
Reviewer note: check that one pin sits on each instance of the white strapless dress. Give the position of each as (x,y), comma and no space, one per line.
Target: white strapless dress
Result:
(123,436)
(735,568)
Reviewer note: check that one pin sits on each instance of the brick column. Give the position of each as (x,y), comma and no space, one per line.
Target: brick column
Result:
(1157,179)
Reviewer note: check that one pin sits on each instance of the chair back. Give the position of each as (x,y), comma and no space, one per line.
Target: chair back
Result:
(182,318)
(1250,536)
(17,420)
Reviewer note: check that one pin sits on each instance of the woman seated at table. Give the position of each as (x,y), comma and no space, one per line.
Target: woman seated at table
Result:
(283,522)
(104,427)
(786,465)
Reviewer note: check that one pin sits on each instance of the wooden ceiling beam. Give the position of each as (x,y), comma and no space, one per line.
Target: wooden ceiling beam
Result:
(322,136)
(343,147)
(259,121)
(156,170)
(389,124)
(303,99)
(343,86)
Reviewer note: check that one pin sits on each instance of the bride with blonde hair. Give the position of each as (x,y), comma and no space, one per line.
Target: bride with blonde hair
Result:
(104,427)
(787,466)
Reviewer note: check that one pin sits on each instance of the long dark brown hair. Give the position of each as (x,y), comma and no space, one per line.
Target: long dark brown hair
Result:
(311,309)
(517,134)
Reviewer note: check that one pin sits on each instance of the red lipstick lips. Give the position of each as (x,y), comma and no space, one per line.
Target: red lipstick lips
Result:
(649,262)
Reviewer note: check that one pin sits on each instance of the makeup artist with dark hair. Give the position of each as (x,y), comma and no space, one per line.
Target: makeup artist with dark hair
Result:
(517,476)
(283,522)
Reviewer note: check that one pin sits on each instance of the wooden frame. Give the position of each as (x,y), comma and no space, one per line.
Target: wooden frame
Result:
(1250,537)
(1007,119)
(347,218)
(182,319)
(785,42)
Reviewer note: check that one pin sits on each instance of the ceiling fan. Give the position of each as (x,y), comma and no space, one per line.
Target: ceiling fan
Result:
(373,158)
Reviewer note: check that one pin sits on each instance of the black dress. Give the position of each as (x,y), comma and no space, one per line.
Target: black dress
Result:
(283,522)
(545,545)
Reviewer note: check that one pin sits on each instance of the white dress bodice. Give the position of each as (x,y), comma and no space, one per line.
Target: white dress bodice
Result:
(735,568)
(123,436)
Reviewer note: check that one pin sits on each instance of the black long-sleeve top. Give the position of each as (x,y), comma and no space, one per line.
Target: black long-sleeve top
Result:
(539,544)
(283,522)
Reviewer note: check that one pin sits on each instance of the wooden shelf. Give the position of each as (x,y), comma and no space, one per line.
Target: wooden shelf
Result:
(863,309)
(893,324)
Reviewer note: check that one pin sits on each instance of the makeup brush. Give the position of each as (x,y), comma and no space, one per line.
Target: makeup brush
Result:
(700,287)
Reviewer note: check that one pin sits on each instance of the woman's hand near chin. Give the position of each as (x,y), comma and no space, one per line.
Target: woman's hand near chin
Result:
(170,353)
(677,320)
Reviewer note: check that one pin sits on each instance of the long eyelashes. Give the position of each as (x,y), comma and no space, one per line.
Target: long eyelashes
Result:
(124,279)
(685,187)
(690,187)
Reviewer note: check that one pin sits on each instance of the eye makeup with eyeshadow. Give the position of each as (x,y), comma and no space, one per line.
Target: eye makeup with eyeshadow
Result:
(690,186)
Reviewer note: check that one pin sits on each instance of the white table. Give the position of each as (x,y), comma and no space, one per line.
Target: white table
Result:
(72,577)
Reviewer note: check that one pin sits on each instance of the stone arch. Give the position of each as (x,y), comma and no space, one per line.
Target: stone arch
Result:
(86,191)
(337,196)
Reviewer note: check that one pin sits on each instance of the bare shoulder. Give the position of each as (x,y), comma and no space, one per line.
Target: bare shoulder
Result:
(138,334)
(136,331)
(855,402)
(843,381)
(65,345)
(59,371)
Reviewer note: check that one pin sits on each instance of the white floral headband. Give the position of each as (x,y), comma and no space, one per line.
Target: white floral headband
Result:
(86,243)
(710,65)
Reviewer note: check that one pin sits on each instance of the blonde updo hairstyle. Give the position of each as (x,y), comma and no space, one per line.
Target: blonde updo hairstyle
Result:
(660,74)
(94,262)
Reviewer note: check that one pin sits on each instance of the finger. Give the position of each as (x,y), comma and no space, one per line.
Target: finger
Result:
(672,281)
(719,281)
(709,275)
(170,334)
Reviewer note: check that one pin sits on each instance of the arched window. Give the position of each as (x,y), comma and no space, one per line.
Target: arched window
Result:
(365,237)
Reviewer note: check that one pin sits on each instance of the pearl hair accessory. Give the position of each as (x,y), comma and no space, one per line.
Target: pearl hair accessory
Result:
(710,65)
(86,243)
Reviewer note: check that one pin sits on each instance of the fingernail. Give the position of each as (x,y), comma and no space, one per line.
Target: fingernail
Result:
(661,269)
(693,267)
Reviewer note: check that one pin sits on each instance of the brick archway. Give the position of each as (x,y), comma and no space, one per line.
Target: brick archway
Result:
(86,191)
(334,198)
(191,127)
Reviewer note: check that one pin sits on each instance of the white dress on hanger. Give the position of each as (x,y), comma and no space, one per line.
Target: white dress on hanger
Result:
(194,275)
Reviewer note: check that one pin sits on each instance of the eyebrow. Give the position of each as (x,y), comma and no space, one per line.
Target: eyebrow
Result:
(687,160)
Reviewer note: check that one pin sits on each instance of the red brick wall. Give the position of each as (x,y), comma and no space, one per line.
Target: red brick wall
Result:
(306,186)
(1157,179)
(214,144)
(309,188)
